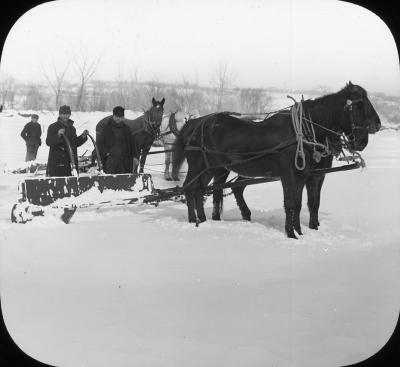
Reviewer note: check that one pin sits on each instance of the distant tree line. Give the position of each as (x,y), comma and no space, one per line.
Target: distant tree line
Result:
(133,95)
(89,94)
(387,107)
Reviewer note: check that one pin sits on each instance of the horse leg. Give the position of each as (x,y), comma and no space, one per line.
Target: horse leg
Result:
(199,200)
(203,181)
(314,185)
(167,174)
(143,157)
(289,202)
(191,204)
(190,188)
(297,208)
(174,170)
(244,209)
(218,198)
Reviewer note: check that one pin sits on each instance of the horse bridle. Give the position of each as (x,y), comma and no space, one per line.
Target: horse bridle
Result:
(354,123)
(153,129)
(344,139)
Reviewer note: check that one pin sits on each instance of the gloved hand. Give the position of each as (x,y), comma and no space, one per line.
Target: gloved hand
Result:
(85,132)
(61,132)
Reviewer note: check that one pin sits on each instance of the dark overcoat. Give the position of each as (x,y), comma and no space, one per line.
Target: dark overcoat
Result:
(31,133)
(106,143)
(58,163)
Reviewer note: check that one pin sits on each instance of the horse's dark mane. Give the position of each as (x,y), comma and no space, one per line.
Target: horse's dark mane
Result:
(344,91)
(327,107)
(327,99)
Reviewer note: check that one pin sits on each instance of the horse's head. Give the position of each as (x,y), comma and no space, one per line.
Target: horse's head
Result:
(360,117)
(156,112)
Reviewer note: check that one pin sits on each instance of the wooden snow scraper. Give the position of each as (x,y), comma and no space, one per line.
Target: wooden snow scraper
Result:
(63,195)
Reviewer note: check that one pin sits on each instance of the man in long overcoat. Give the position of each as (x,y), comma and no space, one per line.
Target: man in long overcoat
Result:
(117,148)
(59,163)
(32,133)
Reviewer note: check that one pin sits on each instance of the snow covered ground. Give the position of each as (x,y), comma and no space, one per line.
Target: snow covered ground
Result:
(140,286)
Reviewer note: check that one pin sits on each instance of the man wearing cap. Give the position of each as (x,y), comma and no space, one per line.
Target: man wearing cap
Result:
(31,133)
(59,163)
(117,148)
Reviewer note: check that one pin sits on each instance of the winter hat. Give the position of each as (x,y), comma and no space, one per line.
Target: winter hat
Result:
(34,116)
(119,111)
(66,110)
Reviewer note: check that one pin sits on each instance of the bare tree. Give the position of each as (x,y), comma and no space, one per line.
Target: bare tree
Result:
(36,97)
(221,82)
(127,89)
(56,82)
(145,92)
(86,68)
(133,84)
(191,96)
(254,100)
(97,96)
(8,89)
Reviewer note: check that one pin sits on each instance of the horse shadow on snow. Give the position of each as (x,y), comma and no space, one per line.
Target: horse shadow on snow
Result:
(271,219)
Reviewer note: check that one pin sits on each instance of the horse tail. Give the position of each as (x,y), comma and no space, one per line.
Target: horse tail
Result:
(172,124)
(178,155)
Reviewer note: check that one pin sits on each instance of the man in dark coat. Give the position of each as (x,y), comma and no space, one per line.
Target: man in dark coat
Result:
(59,163)
(117,148)
(32,133)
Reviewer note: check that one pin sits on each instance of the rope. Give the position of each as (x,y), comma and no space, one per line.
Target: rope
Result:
(305,134)
(297,112)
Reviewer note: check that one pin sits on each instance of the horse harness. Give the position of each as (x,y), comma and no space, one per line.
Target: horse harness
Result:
(354,126)
(304,134)
(149,126)
(205,150)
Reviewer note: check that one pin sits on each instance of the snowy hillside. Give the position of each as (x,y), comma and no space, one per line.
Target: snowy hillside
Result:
(139,286)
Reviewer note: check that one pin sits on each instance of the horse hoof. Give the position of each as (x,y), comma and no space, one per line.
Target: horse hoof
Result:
(202,219)
(216,217)
(313,226)
(291,234)
(298,230)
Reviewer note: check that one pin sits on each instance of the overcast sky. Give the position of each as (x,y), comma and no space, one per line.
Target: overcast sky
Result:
(292,44)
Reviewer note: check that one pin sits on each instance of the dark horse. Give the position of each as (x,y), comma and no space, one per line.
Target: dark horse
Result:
(288,145)
(145,129)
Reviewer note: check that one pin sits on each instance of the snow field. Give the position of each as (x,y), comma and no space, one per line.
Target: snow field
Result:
(139,286)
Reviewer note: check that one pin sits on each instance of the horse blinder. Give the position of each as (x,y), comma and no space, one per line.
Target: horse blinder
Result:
(349,107)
